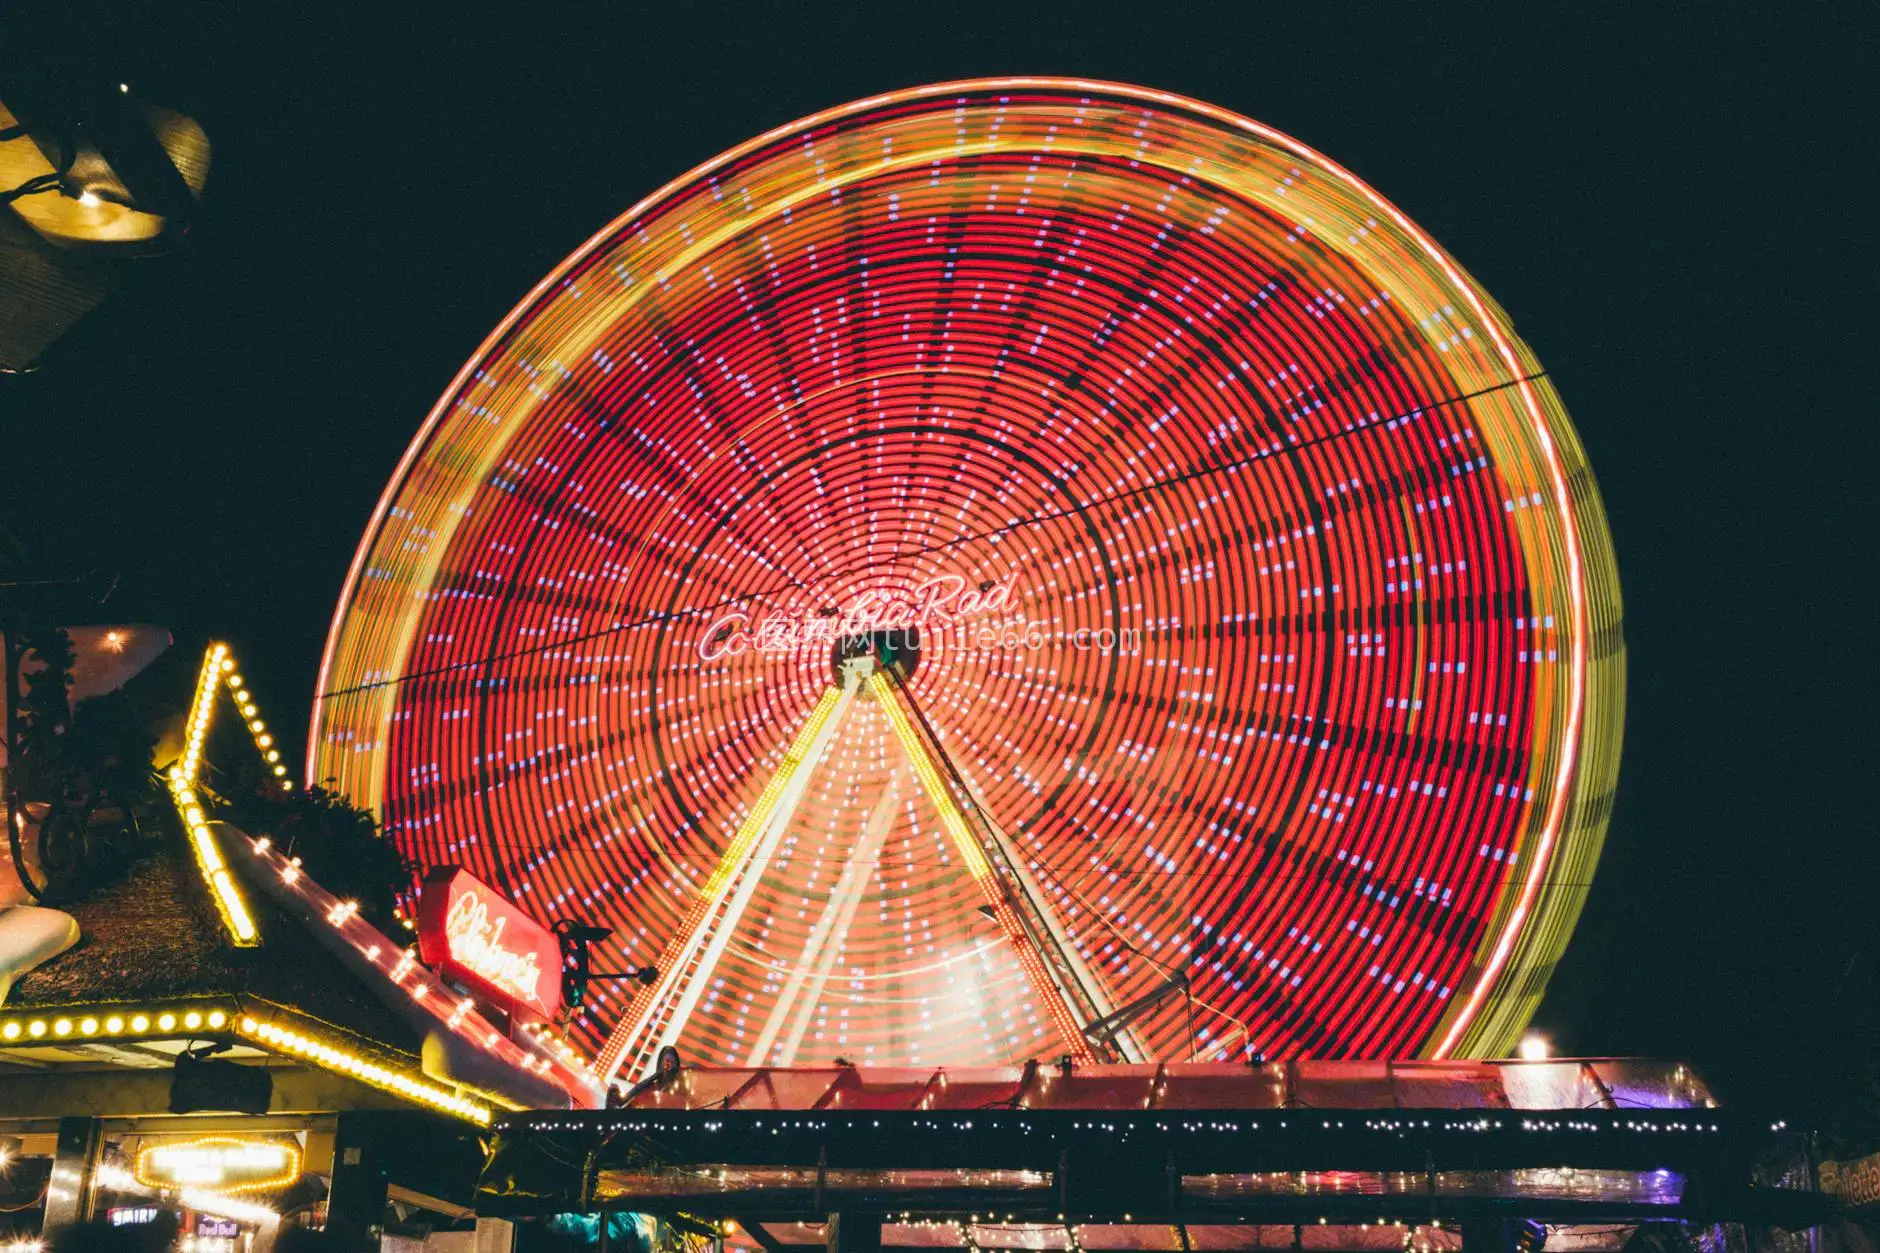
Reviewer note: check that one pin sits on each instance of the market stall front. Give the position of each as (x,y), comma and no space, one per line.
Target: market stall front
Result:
(1495,1156)
(230,1047)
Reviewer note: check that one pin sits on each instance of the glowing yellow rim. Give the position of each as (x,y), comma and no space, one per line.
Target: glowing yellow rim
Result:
(217,664)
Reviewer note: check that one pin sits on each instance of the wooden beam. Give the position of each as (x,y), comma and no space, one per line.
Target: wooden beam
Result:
(771,1243)
(436,1205)
(144,1093)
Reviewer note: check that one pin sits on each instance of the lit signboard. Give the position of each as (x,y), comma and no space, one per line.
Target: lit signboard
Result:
(470,932)
(219,1163)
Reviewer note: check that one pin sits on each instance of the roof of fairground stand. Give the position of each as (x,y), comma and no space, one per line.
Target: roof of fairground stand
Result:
(1610,1083)
(151,936)
(245,948)
(1124,1154)
(151,940)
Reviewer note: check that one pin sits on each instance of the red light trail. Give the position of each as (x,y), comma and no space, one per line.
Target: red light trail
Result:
(1266,608)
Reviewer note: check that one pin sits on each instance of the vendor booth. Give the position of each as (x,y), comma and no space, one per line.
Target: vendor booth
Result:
(212,1038)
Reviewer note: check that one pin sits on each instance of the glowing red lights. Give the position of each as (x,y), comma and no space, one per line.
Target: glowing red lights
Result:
(1268,632)
(937,604)
(469,932)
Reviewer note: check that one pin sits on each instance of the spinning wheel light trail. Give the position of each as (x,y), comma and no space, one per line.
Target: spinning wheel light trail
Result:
(1007,898)
(654,1017)
(1266,610)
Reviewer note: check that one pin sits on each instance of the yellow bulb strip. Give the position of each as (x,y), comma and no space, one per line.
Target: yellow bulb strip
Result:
(978,866)
(229,903)
(201,707)
(344,1061)
(147,1172)
(115,1022)
(218,669)
(257,729)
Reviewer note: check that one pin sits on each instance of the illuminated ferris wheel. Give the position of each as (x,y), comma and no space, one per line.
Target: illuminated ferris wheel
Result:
(1009,569)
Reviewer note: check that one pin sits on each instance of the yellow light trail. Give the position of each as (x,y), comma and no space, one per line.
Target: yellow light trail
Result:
(711,896)
(977,865)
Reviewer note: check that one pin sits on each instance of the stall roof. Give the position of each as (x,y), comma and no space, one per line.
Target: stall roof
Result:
(244,951)
(1137,1148)
(152,936)
(155,971)
(1595,1083)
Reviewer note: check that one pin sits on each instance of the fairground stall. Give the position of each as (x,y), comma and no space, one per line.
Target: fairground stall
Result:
(211,1035)
(1591,1156)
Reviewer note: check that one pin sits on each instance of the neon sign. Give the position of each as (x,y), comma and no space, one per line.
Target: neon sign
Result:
(220,1163)
(471,933)
(939,602)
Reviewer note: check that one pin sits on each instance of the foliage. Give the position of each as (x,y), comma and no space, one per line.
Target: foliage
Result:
(112,743)
(90,767)
(338,843)
(96,752)
(45,711)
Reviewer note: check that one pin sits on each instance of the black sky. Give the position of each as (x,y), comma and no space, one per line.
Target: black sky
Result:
(1668,200)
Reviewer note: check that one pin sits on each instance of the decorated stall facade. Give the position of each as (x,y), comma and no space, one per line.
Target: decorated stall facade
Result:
(1593,1155)
(223,1039)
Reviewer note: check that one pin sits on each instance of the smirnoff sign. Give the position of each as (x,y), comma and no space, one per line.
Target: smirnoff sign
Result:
(471,933)
(940,602)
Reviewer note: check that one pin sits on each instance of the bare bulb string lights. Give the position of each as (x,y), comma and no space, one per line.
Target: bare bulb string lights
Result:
(218,672)
(1264,604)
(534,1054)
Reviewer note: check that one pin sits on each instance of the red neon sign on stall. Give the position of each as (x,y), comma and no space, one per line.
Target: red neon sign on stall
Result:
(470,932)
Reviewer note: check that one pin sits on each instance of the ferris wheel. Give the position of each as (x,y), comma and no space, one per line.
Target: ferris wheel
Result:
(1010,569)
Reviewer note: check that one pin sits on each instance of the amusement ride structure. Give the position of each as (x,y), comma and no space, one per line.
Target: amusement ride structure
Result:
(1011,569)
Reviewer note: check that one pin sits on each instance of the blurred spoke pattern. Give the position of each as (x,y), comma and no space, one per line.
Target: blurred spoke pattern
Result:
(1265,602)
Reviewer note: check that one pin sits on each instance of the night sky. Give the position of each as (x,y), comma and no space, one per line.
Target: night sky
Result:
(1665,202)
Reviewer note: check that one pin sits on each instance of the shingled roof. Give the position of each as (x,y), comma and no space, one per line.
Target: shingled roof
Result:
(153,935)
